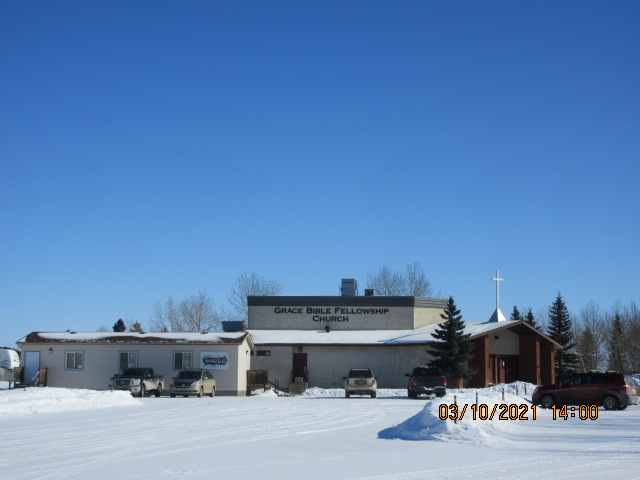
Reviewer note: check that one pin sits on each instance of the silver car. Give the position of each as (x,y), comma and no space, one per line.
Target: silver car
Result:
(193,382)
(360,381)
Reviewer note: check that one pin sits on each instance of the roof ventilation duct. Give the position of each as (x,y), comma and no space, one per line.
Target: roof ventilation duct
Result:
(349,287)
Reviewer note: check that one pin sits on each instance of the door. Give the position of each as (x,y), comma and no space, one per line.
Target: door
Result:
(510,363)
(497,369)
(299,366)
(31,366)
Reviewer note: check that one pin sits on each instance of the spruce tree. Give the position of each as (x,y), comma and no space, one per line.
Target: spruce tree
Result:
(451,350)
(136,327)
(119,326)
(515,315)
(616,345)
(531,320)
(588,349)
(560,329)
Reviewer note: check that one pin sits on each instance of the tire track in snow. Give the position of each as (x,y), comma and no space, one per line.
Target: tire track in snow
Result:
(143,435)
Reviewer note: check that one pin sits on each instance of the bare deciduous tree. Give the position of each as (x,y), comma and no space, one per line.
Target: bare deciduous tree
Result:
(193,314)
(411,282)
(199,314)
(631,316)
(165,318)
(591,335)
(244,286)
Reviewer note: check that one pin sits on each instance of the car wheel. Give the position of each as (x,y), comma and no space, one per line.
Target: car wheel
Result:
(173,395)
(348,395)
(200,392)
(142,392)
(610,403)
(374,395)
(185,396)
(622,407)
(213,392)
(547,401)
(159,391)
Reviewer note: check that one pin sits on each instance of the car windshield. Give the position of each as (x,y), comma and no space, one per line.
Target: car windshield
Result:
(131,372)
(426,372)
(189,374)
(360,373)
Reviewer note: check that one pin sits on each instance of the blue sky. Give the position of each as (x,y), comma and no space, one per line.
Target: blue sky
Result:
(155,149)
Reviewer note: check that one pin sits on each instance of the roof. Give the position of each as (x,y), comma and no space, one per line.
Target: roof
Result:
(366,301)
(383,337)
(497,316)
(231,338)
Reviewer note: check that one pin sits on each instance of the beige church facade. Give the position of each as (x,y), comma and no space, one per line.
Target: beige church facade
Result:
(315,340)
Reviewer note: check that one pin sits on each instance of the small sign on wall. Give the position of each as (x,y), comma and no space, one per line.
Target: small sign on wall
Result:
(214,360)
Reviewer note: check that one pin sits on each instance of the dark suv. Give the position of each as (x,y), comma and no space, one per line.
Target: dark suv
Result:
(614,391)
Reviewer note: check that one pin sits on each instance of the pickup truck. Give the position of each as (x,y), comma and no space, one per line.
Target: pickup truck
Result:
(427,381)
(138,381)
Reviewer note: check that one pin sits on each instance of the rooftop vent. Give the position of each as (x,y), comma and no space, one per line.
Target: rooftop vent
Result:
(232,326)
(349,287)
(368,292)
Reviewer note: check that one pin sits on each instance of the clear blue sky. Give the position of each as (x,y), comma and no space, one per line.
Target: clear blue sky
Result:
(155,149)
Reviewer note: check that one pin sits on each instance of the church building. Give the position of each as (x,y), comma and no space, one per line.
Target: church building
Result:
(305,341)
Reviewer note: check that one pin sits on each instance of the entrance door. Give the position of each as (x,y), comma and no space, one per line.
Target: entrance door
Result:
(510,368)
(503,368)
(299,366)
(31,366)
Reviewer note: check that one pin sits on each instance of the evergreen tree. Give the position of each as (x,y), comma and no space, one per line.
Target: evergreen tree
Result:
(451,349)
(531,320)
(616,345)
(560,329)
(119,326)
(588,349)
(136,327)
(515,315)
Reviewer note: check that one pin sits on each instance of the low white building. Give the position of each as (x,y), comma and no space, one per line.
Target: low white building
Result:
(89,360)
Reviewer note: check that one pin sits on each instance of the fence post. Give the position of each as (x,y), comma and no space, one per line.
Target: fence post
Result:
(455,402)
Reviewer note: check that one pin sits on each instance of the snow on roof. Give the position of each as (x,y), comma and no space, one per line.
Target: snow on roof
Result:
(272,337)
(365,337)
(131,337)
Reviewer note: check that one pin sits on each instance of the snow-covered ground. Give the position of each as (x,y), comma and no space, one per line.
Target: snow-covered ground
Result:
(51,433)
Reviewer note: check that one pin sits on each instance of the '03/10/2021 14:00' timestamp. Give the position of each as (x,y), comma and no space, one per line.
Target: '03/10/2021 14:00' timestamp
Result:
(514,411)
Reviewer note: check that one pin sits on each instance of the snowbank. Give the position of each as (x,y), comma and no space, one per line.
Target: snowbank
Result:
(425,425)
(480,423)
(21,401)
(316,392)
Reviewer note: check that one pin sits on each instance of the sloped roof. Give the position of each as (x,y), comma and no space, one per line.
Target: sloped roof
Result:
(381,337)
(129,337)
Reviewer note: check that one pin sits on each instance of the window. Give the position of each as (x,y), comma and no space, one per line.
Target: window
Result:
(74,361)
(128,359)
(263,353)
(182,360)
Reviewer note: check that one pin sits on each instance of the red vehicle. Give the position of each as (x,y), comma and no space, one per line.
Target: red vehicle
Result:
(612,390)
